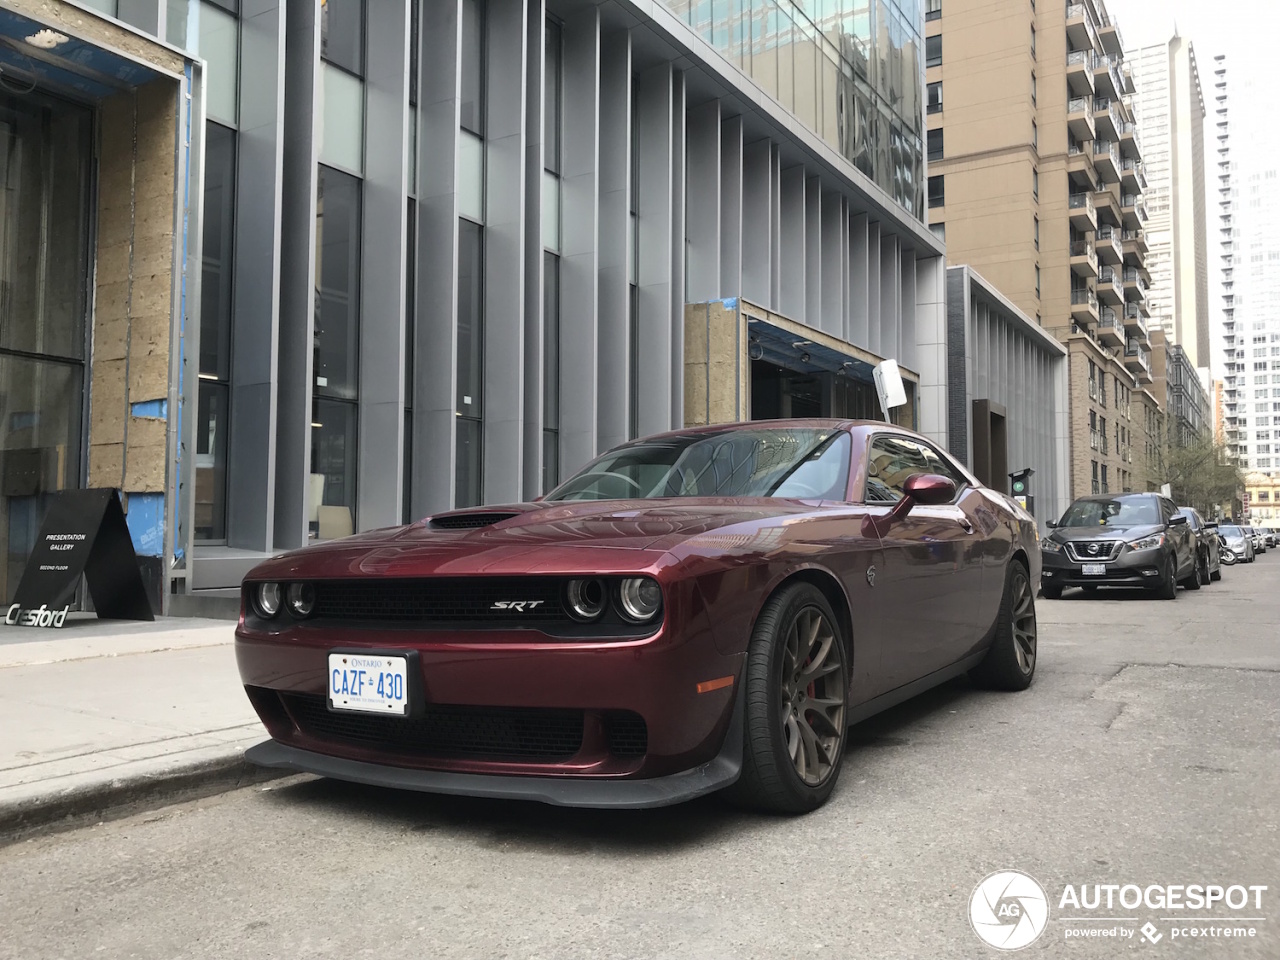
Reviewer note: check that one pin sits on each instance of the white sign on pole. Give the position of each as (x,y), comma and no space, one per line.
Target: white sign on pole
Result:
(889,386)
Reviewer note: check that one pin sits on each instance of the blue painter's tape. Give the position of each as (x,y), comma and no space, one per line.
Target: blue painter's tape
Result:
(157,409)
(146,523)
(730,303)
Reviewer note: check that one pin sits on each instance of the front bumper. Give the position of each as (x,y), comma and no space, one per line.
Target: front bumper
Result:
(1133,568)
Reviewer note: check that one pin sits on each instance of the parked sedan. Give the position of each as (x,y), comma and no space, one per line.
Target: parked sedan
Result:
(1259,542)
(1208,546)
(1237,545)
(1120,540)
(703,610)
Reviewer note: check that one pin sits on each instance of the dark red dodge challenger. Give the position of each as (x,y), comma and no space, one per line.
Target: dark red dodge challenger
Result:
(704,610)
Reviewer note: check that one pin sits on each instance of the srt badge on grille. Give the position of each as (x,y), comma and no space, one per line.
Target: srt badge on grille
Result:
(517,605)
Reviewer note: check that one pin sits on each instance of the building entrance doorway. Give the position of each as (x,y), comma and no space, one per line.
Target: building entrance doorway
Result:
(778,392)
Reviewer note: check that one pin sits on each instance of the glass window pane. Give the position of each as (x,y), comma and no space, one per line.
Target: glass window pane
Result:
(468,466)
(470,320)
(342,33)
(551,211)
(550,341)
(472,66)
(102,6)
(220,47)
(211,461)
(551,103)
(333,457)
(215,283)
(342,119)
(44,162)
(337,333)
(39,450)
(471,176)
(175,22)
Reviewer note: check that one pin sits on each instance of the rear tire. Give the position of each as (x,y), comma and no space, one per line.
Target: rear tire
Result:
(795,707)
(1215,575)
(1202,569)
(1010,663)
(1168,586)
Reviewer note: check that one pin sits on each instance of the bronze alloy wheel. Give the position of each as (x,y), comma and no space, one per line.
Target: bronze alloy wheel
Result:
(811,699)
(1024,622)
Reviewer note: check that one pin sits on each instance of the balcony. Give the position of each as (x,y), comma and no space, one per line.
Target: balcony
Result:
(1104,201)
(1084,306)
(1110,332)
(1080,72)
(1084,262)
(1106,119)
(1135,243)
(1082,212)
(1107,243)
(1110,288)
(1134,211)
(1132,176)
(1107,81)
(1129,145)
(1080,164)
(1135,285)
(1109,36)
(1080,118)
(1106,159)
(1081,30)
(1137,360)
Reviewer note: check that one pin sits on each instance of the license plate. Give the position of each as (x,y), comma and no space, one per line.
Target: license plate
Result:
(369,683)
(1094,569)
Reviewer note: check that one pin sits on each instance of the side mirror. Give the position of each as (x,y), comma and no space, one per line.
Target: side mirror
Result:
(929,489)
(1177,521)
(1051,524)
(1212,525)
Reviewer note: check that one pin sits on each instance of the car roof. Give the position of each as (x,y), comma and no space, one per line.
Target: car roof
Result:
(1115,496)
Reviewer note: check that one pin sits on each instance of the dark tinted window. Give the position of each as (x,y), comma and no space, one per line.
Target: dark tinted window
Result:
(342,33)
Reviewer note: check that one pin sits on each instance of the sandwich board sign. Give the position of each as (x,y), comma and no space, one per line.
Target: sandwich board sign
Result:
(84,533)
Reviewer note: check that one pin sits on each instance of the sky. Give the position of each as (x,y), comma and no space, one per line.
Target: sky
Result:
(1243,30)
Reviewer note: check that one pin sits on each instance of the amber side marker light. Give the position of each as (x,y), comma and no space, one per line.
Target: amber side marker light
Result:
(708,685)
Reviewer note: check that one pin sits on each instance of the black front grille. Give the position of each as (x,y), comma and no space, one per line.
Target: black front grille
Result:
(441,600)
(488,733)
(468,521)
(1080,550)
(628,734)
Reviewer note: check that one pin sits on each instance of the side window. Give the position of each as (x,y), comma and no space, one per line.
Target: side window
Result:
(824,476)
(890,462)
(1167,508)
(942,466)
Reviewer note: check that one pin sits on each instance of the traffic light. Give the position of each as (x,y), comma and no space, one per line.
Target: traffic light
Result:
(1021,486)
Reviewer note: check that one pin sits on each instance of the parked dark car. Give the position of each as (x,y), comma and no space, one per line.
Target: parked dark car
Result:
(1120,540)
(1208,545)
(1237,545)
(701,610)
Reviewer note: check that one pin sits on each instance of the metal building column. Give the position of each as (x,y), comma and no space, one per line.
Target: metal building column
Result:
(791,300)
(504,322)
(435,372)
(858,324)
(731,150)
(297,275)
(614,345)
(757,216)
(703,281)
(382,266)
(813,251)
(255,314)
(675,416)
(535,47)
(834,251)
(580,232)
(653,146)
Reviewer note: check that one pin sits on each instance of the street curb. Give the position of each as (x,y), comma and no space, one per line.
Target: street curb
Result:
(112,799)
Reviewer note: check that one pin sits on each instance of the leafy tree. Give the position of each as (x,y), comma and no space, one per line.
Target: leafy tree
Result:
(1200,474)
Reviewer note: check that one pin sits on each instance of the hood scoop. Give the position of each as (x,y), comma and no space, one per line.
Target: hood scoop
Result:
(468,521)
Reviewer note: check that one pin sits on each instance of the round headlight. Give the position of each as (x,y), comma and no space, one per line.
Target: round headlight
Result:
(586,599)
(267,598)
(302,599)
(641,598)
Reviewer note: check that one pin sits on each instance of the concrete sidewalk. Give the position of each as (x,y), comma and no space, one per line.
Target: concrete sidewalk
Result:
(102,715)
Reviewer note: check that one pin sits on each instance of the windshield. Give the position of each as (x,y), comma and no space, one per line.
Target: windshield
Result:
(799,463)
(1129,512)
(1230,531)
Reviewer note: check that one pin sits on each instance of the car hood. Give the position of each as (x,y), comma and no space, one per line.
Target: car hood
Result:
(1063,534)
(610,536)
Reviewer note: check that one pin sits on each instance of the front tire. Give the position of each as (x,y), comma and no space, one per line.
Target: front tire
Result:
(1168,586)
(1010,663)
(1202,570)
(796,699)
(1193,582)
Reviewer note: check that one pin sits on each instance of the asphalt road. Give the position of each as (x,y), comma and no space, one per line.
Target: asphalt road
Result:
(1146,752)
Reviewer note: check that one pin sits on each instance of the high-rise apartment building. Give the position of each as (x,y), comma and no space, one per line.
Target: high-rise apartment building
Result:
(1169,108)
(1249,220)
(1036,180)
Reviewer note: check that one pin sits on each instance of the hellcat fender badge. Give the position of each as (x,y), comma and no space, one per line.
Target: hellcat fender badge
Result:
(871,576)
